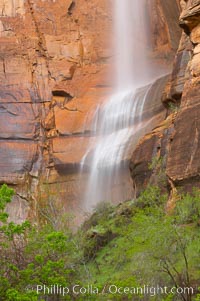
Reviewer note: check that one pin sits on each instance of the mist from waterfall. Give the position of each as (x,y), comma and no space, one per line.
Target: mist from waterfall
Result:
(120,117)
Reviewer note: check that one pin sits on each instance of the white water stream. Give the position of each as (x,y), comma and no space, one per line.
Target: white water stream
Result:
(120,118)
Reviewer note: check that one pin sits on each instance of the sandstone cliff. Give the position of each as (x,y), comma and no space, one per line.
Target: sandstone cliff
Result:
(55,67)
(174,145)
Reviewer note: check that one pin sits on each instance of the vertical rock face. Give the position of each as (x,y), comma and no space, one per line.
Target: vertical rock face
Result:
(177,141)
(55,67)
(163,23)
(184,152)
(50,52)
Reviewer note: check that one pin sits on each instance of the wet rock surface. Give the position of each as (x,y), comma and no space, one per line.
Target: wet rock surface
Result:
(55,69)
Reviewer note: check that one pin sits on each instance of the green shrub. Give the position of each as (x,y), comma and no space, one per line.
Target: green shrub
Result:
(188,208)
(132,244)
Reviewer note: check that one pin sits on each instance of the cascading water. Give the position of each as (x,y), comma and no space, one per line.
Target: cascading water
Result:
(130,44)
(120,118)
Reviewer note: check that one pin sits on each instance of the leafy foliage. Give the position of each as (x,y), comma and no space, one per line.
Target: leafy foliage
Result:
(188,208)
(132,244)
(5,198)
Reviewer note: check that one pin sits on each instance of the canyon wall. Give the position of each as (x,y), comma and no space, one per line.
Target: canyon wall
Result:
(56,61)
(174,146)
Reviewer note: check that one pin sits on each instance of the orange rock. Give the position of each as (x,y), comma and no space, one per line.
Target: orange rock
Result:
(62,48)
(68,151)
(16,160)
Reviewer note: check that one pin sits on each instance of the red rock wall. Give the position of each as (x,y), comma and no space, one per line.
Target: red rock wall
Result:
(55,67)
(184,152)
(177,140)
(59,48)
(164,27)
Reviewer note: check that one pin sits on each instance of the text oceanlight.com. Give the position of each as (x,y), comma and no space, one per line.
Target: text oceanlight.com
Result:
(111,289)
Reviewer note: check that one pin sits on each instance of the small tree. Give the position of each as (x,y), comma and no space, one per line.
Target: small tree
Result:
(13,242)
(31,257)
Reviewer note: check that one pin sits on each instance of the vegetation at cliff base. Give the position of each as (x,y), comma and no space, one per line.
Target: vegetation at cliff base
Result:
(136,244)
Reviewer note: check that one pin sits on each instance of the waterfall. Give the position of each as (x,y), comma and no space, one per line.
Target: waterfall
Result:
(119,119)
(130,35)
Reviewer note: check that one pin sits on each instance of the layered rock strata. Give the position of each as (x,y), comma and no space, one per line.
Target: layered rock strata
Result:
(55,68)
